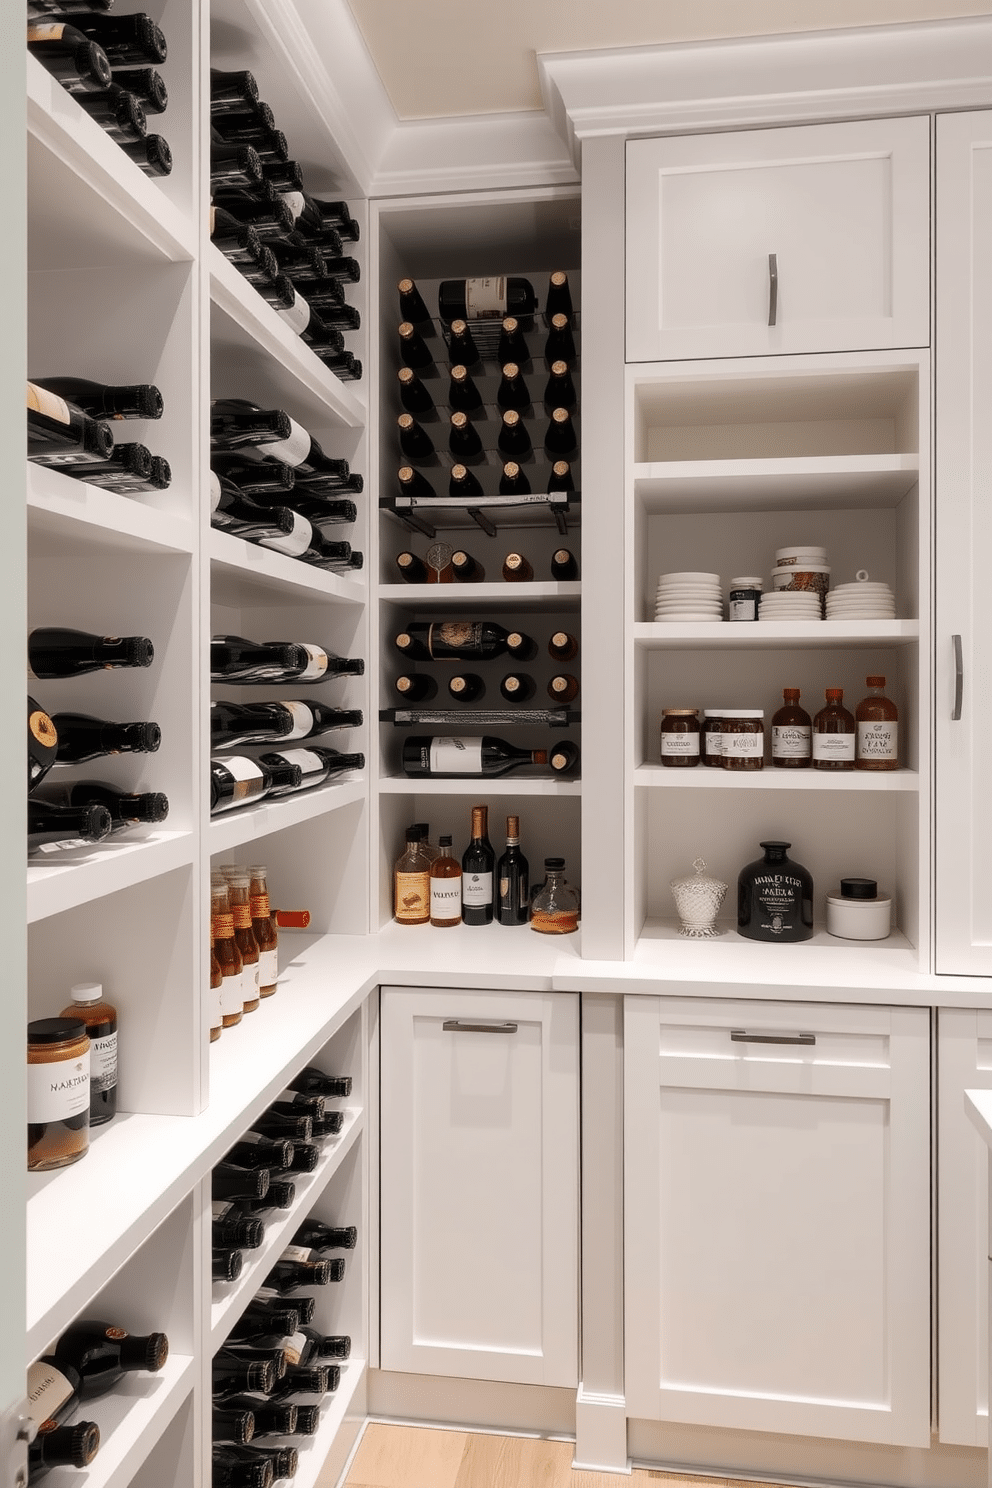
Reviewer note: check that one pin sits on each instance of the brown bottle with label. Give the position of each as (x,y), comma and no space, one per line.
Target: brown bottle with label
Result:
(264,930)
(412,882)
(877,719)
(792,734)
(833,734)
(446,887)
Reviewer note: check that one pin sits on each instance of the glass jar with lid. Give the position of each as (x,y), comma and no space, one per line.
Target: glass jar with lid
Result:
(680,737)
(743,739)
(58,1092)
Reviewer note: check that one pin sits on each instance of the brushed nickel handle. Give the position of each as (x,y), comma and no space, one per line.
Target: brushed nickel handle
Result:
(772,288)
(741,1036)
(958,678)
(471,1025)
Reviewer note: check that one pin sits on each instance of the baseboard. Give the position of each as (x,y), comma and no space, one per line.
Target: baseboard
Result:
(432,1400)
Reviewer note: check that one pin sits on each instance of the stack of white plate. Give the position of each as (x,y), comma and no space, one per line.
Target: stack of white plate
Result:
(689,596)
(790,605)
(861,601)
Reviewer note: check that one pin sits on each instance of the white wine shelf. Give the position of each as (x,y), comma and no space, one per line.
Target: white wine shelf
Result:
(758,635)
(334,1408)
(500,598)
(133,1417)
(73,511)
(64,880)
(704,777)
(241,570)
(816,482)
(233,828)
(508,785)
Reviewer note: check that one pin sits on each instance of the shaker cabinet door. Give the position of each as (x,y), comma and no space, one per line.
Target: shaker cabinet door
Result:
(777,1217)
(815,238)
(479,1208)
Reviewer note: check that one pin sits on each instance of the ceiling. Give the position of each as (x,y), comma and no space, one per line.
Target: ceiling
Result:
(439,58)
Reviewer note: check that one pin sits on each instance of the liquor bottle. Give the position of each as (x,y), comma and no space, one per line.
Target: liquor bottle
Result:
(235,660)
(560,478)
(459,640)
(512,345)
(466,569)
(106,401)
(559,300)
(411,882)
(463,394)
(415,442)
(319,1236)
(564,757)
(56,652)
(562,646)
(127,40)
(228,1181)
(878,729)
(63,1446)
(463,483)
(227,1471)
(412,306)
(517,687)
(478,755)
(467,687)
(235,1424)
(231,993)
(559,438)
(315,764)
(412,483)
(126,808)
(513,481)
(478,861)
(563,688)
(52,828)
(61,434)
(416,688)
(80,65)
(564,566)
(791,733)
(414,396)
(269,1417)
(438,559)
(43,743)
(512,878)
(462,348)
(103,1354)
(151,155)
(414,351)
(834,734)
(554,908)
(412,569)
(313,1081)
(517,569)
(775,897)
(485,299)
(560,345)
(237,781)
(100,1017)
(513,440)
(464,442)
(147,84)
(232,1373)
(559,390)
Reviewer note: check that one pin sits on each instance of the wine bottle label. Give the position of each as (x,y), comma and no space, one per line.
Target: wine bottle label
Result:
(317,665)
(59,1090)
(303,720)
(452,639)
(412,893)
(103,1063)
(878,741)
(40,400)
(216,491)
(451,756)
(249,780)
(743,746)
(268,968)
(291,451)
(231,1000)
(295,201)
(49,31)
(446,898)
(297,1253)
(296,315)
(833,746)
(477,889)
(309,763)
(48,1392)
(485,299)
(791,741)
(293,1348)
(291,543)
(681,744)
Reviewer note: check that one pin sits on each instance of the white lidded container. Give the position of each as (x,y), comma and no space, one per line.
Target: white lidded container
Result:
(858,912)
(799,557)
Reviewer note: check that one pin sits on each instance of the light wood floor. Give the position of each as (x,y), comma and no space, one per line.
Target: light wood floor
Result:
(424,1457)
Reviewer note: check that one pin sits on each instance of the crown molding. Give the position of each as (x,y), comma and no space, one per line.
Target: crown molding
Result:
(750,81)
(483,152)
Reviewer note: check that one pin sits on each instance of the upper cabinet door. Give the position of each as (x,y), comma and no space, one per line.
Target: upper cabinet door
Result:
(779,240)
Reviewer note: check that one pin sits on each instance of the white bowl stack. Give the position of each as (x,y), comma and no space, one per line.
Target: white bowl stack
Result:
(861,600)
(790,605)
(685,597)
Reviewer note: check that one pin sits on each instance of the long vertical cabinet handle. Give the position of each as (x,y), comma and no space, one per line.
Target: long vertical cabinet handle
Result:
(772,288)
(958,678)
(472,1025)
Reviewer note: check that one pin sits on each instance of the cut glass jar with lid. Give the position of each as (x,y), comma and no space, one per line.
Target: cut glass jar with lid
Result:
(555,907)
(698,899)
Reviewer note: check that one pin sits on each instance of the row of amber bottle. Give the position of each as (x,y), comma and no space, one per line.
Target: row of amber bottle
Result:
(244,943)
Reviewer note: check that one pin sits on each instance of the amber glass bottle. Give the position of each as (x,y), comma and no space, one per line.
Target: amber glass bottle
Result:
(239,898)
(791,734)
(216,982)
(833,734)
(446,887)
(411,882)
(222,931)
(264,929)
(878,729)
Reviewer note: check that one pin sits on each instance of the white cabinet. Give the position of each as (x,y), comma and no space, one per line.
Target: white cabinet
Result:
(964,541)
(777,1217)
(779,240)
(479,1202)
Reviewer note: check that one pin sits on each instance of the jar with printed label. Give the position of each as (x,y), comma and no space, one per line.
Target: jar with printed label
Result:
(877,720)
(680,737)
(833,734)
(58,1093)
(745,597)
(743,739)
(711,737)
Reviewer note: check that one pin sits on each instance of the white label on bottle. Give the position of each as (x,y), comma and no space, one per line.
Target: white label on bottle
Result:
(878,741)
(217,1006)
(40,400)
(248,777)
(296,315)
(291,451)
(231,1001)
(294,1348)
(60,1090)
(446,898)
(303,720)
(249,982)
(712,744)
(411,896)
(744,746)
(833,746)
(317,665)
(296,1253)
(221,1208)
(47,31)
(268,968)
(215,491)
(103,1063)
(450,756)
(48,1390)
(291,543)
(485,299)
(295,201)
(791,741)
(477,888)
(680,744)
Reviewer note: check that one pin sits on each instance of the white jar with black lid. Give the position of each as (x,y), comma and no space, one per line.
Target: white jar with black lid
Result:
(858,912)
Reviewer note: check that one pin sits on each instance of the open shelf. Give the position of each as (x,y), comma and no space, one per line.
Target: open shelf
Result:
(61,505)
(62,880)
(824,960)
(705,777)
(817,482)
(499,597)
(759,634)
(244,573)
(509,785)
(131,1419)
(334,1408)
(233,828)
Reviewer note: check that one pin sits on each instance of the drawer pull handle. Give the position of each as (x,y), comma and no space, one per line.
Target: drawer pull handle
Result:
(772,288)
(468,1025)
(741,1036)
(958,678)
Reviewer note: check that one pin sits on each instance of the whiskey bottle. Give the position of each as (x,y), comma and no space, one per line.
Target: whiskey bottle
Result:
(878,729)
(775,897)
(512,878)
(411,883)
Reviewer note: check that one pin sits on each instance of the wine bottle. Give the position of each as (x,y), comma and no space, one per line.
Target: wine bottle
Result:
(559,438)
(512,391)
(417,688)
(287,1275)
(236,1183)
(229,1227)
(313,1081)
(412,306)
(512,879)
(560,345)
(457,640)
(517,569)
(414,351)
(564,757)
(103,1354)
(560,478)
(321,513)
(311,1379)
(485,299)
(261,1152)
(463,484)
(512,345)
(465,569)
(412,483)
(559,390)
(284,1460)
(233,1373)
(264,1316)
(467,756)
(513,440)
(513,481)
(307,1420)
(269,1417)
(151,154)
(52,828)
(275,1124)
(233,165)
(63,1446)
(53,1394)
(117,112)
(517,687)
(414,396)
(100,1017)
(467,687)
(43,743)
(462,348)
(563,566)
(105,400)
(285,175)
(233,92)
(126,469)
(415,442)
(559,300)
(316,765)
(232,724)
(80,65)
(318,1236)
(235,1424)
(563,688)
(464,442)
(61,434)
(412,569)
(147,84)
(126,808)
(57,652)
(127,40)
(337,214)
(478,861)
(463,394)
(227,1471)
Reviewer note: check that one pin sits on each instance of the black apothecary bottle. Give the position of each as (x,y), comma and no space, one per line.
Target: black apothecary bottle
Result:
(775,897)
